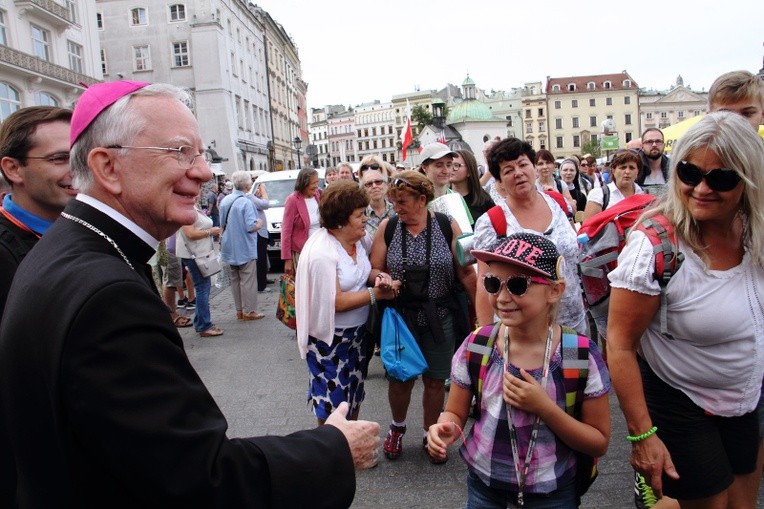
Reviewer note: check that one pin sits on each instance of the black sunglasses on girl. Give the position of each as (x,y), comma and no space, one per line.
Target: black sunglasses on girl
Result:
(516,285)
(719,179)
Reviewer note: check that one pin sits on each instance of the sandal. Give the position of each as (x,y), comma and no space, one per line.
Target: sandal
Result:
(212,331)
(181,321)
(254,315)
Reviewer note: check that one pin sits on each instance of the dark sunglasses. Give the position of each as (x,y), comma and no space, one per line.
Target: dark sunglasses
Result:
(374,166)
(719,179)
(377,182)
(516,285)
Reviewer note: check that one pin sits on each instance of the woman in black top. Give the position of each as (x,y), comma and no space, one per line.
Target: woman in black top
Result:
(571,177)
(465,181)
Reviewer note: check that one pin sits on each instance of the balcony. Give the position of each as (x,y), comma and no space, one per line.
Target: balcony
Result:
(29,65)
(47,10)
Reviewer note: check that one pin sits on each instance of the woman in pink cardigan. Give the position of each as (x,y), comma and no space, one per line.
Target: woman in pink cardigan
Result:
(301,217)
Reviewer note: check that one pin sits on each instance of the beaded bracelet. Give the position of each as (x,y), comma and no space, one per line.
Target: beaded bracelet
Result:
(641,437)
(373,299)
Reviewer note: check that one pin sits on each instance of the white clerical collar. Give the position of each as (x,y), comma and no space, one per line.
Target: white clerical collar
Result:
(120,218)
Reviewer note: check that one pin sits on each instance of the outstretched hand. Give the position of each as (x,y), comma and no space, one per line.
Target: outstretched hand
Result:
(362,436)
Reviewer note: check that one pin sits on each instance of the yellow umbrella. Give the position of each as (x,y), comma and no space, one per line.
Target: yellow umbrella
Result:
(673,132)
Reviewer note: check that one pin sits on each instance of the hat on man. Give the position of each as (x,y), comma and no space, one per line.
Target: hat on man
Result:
(527,250)
(435,151)
(97,98)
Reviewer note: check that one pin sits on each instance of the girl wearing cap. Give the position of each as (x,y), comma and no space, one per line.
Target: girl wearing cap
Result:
(522,448)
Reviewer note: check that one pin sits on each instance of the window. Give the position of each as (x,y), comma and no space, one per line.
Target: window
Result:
(593,121)
(558,140)
(138,17)
(233,65)
(627,100)
(557,105)
(575,123)
(609,101)
(555,88)
(696,113)
(45,99)
(663,114)
(576,141)
(541,112)
(595,139)
(574,103)
(9,100)
(3,35)
(558,123)
(40,43)
(527,113)
(649,115)
(680,114)
(627,119)
(592,103)
(180,54)
(607,85)
(99,20)
(626,83)
(141,58)
(590,85)
(529,140)
(571,87)
(71,8)
(529,127)
(75,56)
(629,137)
(177,13)
(104,69)
(542,127)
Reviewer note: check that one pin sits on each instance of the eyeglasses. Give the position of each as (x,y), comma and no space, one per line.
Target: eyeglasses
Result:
(371,183)
(584,165)
(652,142)
(186,154)
(516,285)
(374,166)
(458,165)
(398,182)
(58,159)
(719,179)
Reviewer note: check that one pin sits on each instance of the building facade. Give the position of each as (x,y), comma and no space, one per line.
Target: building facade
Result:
(375,130)
(577,106)
(665,108)
(47,49)
(319,137)
(342,138)
(535,129)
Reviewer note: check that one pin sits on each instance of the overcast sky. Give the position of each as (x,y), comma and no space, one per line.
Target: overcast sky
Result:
(355,51)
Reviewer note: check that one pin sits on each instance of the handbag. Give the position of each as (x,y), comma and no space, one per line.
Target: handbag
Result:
(208,264)
(285,308)
(401,355)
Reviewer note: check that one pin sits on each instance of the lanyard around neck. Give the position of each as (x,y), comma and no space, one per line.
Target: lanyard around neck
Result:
(521,471)
(18,223)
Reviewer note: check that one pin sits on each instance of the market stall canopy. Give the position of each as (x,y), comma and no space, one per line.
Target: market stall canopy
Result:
(672,133)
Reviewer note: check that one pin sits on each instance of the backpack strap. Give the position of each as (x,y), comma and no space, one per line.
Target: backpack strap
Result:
(390,229)
(498,220)
(445,226)
(479,348)
(575,369)
(668,259)
(605,196)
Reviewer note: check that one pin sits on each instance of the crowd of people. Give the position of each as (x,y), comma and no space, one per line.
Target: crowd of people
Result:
(97,192)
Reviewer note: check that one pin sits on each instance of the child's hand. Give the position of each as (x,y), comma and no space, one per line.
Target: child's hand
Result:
(525,393)
(439,437)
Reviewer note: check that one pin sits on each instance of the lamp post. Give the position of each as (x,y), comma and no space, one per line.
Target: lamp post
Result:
(297,144)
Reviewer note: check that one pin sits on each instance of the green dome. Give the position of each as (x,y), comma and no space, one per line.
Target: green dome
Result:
(468,81)
(470,109)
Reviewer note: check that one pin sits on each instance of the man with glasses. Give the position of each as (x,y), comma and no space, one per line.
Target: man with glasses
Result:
(654,163)
(100,403)
(34,160)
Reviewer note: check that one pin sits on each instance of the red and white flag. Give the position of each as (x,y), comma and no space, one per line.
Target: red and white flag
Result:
(406,137)
(441,137)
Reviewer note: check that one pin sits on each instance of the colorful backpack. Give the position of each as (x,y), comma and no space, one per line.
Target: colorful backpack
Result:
(601,239)
(575,372)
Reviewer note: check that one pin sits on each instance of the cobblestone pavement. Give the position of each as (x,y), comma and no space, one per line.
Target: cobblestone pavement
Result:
(259,381)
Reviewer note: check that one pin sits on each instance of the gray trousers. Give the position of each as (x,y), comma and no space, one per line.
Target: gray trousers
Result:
(244,286)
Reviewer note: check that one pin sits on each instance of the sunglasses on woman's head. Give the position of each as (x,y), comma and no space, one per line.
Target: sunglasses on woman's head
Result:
(516,285)
(398,182)
(719,179)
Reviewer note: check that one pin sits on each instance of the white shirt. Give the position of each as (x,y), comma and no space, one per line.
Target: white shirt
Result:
(717,320)
(352,276)
(315,219)
(596,195)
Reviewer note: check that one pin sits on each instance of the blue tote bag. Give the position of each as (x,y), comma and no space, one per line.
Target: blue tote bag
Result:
(401,355)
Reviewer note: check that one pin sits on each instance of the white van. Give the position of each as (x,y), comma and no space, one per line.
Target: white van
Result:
(279,185)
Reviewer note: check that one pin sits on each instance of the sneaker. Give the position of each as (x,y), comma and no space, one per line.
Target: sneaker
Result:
(394,442)
(191,304)
(644,496)
(182,303)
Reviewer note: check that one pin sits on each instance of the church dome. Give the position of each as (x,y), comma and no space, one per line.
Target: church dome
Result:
(470,109)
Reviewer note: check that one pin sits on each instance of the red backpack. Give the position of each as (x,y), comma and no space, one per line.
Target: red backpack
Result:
(601,239)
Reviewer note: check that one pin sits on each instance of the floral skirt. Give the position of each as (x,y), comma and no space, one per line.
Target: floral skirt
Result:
(335,371)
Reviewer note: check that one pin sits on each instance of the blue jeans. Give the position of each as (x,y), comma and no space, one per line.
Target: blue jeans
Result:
(480,496)
(202,285)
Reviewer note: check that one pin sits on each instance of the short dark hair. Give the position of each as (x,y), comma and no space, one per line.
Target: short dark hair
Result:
(508,149)
(624,156)
(17,130)
(339,201)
